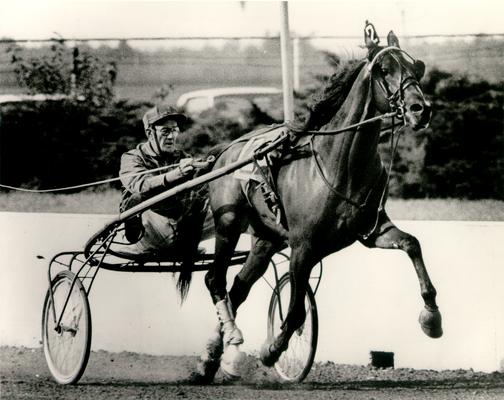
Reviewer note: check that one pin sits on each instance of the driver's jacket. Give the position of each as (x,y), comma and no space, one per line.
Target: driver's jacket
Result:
(141,187)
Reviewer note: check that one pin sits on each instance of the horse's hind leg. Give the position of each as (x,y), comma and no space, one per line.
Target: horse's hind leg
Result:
(388,236)
(228,230)
(257,262)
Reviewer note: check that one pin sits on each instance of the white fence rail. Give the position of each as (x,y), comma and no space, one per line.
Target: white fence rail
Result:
(368,299)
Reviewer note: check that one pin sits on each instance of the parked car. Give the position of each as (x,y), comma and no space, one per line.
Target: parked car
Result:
(233,100)
(26,98)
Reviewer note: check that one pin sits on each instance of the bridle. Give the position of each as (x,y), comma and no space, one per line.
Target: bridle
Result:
(395,99)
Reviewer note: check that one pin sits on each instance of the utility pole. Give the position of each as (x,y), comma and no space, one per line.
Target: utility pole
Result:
(285,44)
(296,50)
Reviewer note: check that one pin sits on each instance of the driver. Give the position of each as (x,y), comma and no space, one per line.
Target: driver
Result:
(158,228)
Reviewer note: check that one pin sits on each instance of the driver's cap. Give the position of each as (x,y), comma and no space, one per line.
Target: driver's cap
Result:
(158,114)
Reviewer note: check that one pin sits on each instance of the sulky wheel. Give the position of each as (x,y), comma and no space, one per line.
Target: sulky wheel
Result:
(295,362)
(66,348)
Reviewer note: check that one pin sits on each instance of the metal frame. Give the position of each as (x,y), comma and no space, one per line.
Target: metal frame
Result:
(86,268)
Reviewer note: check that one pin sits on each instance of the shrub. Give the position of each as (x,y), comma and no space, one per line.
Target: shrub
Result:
(62,143)
(60,70)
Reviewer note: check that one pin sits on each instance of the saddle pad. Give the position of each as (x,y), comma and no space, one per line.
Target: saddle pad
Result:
(250,171)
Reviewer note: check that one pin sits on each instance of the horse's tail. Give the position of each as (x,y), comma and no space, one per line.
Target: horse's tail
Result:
(191,230)
(184,282)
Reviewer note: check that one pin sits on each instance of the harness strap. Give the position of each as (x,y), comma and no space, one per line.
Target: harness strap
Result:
(328,184)
(271,191)
(363,205)
(393,149)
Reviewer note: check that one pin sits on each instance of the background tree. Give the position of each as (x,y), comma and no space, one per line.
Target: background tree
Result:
(72,72)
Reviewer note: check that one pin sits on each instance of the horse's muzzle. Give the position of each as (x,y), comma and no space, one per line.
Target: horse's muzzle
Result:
(418,115)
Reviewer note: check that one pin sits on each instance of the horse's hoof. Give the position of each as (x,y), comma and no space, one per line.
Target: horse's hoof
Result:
(430,321)
(229,378)
(268,356)
(231,361)
(205,372)
(197,378)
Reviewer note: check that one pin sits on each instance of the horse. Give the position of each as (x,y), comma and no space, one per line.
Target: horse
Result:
(329,200)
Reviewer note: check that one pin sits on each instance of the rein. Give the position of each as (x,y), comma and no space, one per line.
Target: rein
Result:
(391,114)
(196,163)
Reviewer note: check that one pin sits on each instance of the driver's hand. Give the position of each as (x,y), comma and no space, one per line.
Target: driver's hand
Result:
(186,166)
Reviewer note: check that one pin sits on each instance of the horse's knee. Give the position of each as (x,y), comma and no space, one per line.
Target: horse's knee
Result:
(226,220)
(410,245)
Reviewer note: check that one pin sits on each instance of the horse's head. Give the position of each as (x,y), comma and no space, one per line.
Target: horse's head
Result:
(395,77)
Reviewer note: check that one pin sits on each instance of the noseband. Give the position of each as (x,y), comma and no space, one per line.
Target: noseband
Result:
(394,99)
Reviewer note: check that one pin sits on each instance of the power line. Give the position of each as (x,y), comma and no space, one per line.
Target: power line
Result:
(276,37)
(138,39)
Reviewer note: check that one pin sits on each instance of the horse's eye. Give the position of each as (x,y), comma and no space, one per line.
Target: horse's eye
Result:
(384,70)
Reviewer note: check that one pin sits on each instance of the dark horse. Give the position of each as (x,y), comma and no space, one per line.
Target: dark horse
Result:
(330,200)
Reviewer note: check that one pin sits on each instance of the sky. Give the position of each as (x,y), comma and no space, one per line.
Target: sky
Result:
(39,19)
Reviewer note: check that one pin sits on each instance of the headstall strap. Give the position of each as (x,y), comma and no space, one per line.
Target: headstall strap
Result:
(382,52)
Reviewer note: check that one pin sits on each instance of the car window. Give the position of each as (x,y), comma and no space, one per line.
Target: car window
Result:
(223,102)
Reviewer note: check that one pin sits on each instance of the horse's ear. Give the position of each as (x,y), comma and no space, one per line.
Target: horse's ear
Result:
(371,38)
(419,68)
(392,39)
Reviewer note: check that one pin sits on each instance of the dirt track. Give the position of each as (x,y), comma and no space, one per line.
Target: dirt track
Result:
(24,374)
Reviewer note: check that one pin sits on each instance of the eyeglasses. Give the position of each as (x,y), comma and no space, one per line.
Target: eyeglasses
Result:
(165,130)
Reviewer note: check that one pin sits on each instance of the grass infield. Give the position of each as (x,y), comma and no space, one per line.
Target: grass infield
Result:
(107,202)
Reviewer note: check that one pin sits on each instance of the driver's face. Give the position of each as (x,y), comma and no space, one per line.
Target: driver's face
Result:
(166,135)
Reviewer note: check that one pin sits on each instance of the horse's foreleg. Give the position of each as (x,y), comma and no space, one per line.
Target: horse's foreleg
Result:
(300,267)
(388,236)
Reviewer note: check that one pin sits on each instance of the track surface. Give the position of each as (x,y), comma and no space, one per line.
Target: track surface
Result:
(24,374)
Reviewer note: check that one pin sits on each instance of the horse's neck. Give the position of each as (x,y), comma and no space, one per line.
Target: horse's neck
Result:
(355,150)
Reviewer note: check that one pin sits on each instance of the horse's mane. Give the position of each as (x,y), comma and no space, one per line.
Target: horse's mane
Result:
(329,100)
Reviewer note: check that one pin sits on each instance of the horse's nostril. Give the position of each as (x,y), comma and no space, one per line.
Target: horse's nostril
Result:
(416,108)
